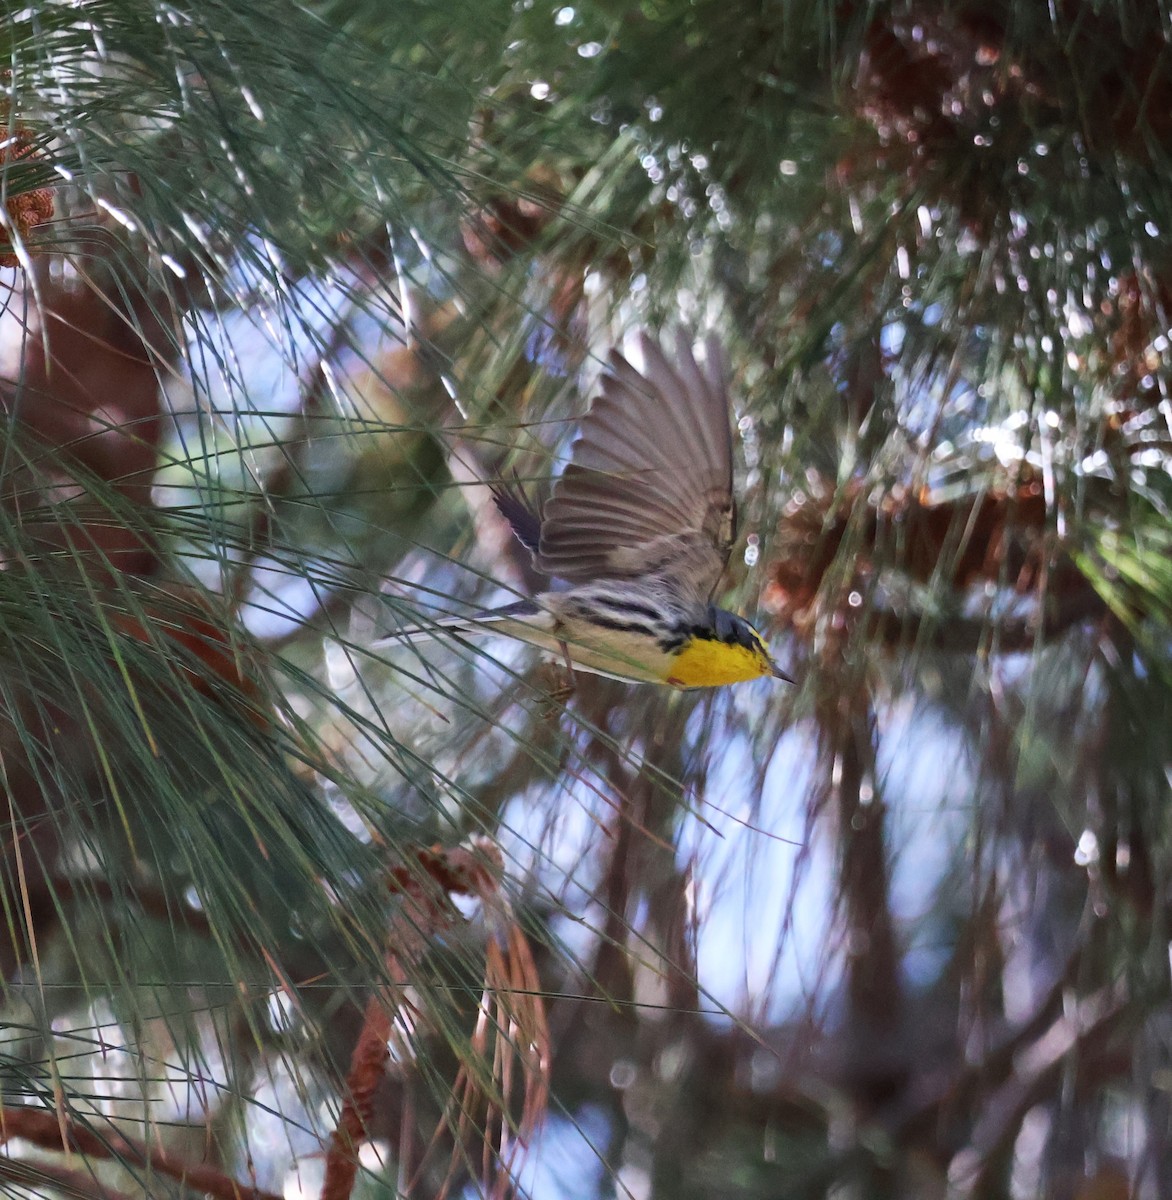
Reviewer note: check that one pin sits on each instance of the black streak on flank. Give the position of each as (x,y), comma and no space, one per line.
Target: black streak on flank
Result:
(619,626)
(675,641)
(627,607)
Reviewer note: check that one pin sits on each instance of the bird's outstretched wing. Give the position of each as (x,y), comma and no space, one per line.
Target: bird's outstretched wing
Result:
(522,512)
(648,489)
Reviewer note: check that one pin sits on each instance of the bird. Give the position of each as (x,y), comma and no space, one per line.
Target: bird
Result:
(636,534)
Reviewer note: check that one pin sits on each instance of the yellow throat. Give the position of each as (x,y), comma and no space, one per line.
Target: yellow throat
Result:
(706,662)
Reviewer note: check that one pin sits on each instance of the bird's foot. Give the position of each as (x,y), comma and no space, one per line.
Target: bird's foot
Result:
(559,681)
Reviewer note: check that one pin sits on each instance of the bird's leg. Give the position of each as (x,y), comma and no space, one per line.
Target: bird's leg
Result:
(568,684)
(562,685)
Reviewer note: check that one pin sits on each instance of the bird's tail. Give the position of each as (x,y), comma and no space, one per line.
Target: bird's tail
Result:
(479,622)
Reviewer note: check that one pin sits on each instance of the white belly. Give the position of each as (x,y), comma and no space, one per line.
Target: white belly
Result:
(614,653)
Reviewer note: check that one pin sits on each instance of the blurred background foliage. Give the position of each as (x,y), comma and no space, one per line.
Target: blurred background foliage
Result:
(284,285)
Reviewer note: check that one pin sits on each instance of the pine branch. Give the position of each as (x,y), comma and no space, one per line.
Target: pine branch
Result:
(79,1184)
(1070,1039)
(41,1127)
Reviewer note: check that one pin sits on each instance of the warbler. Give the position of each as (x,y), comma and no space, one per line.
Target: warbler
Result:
(636,534)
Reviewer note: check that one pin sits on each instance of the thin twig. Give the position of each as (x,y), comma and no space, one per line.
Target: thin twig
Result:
(510,1027)
(368,1065)
(72,1183)
(40,1126)
(1092,1020)
(425,885)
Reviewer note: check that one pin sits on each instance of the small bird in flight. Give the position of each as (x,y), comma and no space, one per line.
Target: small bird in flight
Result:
(636,535)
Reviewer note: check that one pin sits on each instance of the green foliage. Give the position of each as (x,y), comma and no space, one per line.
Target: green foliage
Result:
(315,273)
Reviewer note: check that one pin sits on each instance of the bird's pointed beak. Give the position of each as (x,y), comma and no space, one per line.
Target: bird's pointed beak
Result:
(778,673)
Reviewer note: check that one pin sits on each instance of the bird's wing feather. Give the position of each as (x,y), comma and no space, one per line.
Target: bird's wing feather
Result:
(648,490)
(522,512)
